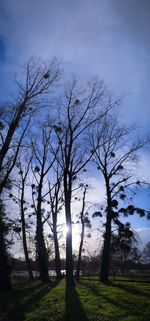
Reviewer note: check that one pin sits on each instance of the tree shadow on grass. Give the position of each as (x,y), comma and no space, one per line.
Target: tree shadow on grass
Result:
(74,309)
(124,305)
(122,286)
(26,299)
(130,289)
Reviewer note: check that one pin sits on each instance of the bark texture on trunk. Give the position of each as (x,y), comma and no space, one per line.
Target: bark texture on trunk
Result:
(82,235)
(41,252)
(12,128)
(80,253)
(104,272)
(24,240)
(57,255)
(42,256)
(69,259)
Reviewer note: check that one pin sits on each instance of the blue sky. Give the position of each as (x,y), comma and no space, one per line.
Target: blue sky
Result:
(108,38)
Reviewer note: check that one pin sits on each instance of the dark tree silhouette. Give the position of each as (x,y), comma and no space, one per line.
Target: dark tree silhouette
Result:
(39,78)
(43,163)
(123,246)
(146,253)
(29,100)
(81,110)
(85,222)
(23,172)
(115,157)
(55,204)
(5,281)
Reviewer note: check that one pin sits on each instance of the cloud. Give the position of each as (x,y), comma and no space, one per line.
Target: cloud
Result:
(144,234)
(108,38)
(104,35)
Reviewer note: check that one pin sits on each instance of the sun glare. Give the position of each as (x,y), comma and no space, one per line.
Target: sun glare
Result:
(66,230)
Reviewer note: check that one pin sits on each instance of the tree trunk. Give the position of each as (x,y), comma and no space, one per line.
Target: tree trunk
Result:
(80,253)
(56,245)
(104,272)
(28,264)
(69,259)
(82,236)
(106,253)
(12,128)
(5,280)
(41,249)
(57,257)
(41,252)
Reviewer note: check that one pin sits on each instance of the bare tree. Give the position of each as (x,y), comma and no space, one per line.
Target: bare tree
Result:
(55,204)
(81,110)
(23,172)
(85,222)
(115,158)
(43,161)
(39,78)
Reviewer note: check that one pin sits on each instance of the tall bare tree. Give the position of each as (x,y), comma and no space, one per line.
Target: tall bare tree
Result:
(81,110)
(37,81)
(23,172)
(43,162)
(115,157)
(55,204)
(85,222)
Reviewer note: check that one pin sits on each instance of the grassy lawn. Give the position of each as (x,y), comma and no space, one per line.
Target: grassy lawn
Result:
(88,301)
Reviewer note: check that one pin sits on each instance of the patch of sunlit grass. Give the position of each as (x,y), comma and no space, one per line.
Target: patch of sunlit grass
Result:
(90,300)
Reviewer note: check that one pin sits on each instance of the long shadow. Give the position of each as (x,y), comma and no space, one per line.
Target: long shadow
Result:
(112,301)
(127,288)
(93,288)
(136,280)
(26,300)
(74,309)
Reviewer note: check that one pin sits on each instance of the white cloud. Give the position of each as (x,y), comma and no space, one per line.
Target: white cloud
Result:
(144,234)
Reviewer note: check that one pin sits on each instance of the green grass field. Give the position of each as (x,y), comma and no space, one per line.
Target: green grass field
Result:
(88,301)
